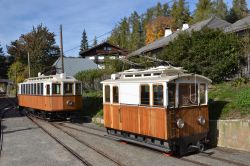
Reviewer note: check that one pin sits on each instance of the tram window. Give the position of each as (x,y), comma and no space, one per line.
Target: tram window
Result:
(38,89)
(28,88)
(78,89)
(188,94)
(56,89)
(115,94)
(107,93)
(202,94)
(31,88)
(35,89)
(158,95)
(48,89)
(41,88)
(145,95)
(171,94)
(68,88)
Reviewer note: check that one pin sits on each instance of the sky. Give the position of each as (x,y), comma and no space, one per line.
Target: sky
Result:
(97,17)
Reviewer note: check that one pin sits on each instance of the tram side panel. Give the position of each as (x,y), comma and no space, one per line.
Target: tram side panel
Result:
(51,103)
(138,120)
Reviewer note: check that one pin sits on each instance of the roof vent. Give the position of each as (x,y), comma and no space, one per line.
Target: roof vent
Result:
(168,32)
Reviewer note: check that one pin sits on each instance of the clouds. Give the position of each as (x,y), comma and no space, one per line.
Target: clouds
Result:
(96,16)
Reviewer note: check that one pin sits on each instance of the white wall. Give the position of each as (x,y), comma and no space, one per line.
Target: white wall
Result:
(129,93)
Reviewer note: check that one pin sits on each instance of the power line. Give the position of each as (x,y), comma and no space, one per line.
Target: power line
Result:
(89,41)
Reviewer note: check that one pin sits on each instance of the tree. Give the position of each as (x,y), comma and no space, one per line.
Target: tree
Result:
(156,28)
(18,72)
(95,42)
(211,53)
(180,13)
(84,42)
(3,64)
(220,9)
(40,44)
(135,36)
(238,10)
(204,9)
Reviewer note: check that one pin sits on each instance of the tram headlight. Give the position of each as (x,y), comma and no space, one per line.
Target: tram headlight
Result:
(70,103)
(201,120)
(180,123)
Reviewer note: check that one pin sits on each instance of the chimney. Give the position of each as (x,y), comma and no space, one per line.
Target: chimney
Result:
(184,27)
(168,32)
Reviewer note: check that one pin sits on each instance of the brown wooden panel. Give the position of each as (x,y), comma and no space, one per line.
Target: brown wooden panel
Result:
(130,120)
(148,121)
(50,103)
(190,116)
(107,115)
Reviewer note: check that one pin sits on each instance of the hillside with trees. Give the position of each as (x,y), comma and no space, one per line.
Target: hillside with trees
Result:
(138,30)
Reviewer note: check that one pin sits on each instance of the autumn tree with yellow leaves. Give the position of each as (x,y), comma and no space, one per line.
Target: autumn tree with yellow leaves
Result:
(155,29)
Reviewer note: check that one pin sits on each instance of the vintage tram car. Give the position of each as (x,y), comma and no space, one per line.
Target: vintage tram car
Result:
(163,108)
(54,96)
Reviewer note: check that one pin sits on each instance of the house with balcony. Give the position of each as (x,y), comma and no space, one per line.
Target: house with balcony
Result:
(104,50)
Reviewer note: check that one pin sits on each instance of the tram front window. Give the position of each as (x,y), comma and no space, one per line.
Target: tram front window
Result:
(56,89)
(68,88)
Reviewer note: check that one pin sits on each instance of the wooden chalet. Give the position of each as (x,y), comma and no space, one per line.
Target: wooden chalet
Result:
(104,50)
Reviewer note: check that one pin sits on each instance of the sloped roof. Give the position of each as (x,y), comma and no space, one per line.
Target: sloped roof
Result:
(213,22)
(239,25)
(73,65)
(99,45)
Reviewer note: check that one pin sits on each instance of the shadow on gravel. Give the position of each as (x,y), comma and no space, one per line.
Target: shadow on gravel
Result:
(13,131)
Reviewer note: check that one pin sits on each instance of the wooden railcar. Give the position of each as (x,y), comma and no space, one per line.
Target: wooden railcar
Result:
(50,96)
(164,108)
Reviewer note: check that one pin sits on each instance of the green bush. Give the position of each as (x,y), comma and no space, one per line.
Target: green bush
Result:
(212,53)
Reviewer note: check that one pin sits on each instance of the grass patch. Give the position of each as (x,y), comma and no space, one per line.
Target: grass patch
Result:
(229,102)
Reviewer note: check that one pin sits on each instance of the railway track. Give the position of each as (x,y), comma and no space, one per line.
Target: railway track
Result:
(90,146)
(183,158)
(74,153)
(70,150)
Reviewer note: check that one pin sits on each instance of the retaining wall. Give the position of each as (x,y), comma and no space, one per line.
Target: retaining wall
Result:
(233,134)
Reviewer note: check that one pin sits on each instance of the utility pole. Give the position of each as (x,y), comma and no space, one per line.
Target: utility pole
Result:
(29,62)
(61,47)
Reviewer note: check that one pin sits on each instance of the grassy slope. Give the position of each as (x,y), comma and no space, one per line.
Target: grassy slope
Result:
(229,102)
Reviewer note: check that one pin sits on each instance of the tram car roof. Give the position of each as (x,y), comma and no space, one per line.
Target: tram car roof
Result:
(152,75)
(51,78)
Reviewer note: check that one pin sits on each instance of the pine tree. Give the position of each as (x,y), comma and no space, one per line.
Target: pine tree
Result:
(165,10)
(124,33)
(180,13)
(134,21)
(95,42)
(238,10)
(220,9)
(84,42)
(204,9)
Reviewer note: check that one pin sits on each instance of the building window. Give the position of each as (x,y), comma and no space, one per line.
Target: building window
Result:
(48,89)
(115,94)
(171,94)
(145,95)
(188,94)
(107,93)
(78,89)
(158,95)
(68,88)
(56,89)
(202,93)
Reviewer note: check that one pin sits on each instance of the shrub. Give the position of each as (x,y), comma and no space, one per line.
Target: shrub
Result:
(212,53)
